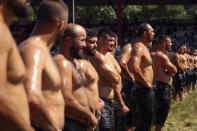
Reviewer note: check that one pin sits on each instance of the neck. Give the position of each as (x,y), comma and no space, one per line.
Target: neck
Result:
(66,54)
(102,50)
(164,51)
(42,34)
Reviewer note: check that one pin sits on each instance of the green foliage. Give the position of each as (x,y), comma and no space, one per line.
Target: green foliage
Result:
(94,13)
(97,14)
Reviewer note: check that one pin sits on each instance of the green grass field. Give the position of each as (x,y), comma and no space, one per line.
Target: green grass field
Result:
(183,115)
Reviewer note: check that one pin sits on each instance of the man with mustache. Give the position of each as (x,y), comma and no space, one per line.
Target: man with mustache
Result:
(14,110)
(109,78)
(42,81)
(163,70)
(79,112)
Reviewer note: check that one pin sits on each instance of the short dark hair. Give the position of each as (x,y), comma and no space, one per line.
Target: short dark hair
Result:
(141,28)
(52,11)
(162,38)
(91,33)
(105,32)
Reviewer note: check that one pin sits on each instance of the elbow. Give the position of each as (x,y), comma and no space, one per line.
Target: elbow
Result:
(33,102)
(117,79)
(134,69)
(122,64)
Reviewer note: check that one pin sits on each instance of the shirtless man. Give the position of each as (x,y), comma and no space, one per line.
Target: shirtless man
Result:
(14,110)
(141,66)
(108,77)
(91,74)
(185,66)
(42,82)
(178,78)
(128,80)
(163,71)
(79,110)
(120,105)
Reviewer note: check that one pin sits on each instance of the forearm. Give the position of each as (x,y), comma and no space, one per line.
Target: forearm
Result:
(40,115)
(76,110)
(139,75)
(118,97)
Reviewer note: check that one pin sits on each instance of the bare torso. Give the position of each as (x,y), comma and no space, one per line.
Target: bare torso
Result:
(184,61)
(145,64)
(125,61)
(45,81)
(105,89)
(15,75)
(159,70)
(92,83)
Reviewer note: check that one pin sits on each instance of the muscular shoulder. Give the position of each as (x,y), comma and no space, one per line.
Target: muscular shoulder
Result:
(127,47)
(61,61)
(98,58)
(160,56)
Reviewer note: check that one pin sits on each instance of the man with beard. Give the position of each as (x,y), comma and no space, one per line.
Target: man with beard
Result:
(163,71)
(79,112)
(108,77)
(91,74)
(14,110)
(141,66)
(42,81)
(178,78)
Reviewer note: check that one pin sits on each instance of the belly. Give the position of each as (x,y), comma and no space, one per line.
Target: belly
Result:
(94,99)
(18,95)
(55,104)
(164,78)
(81,95)
(106,92)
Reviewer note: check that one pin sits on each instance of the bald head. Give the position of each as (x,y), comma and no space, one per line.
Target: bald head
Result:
(73,30)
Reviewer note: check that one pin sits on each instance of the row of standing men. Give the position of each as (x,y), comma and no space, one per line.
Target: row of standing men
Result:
(77,89)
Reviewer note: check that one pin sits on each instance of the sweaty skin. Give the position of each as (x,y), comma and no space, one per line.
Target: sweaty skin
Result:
(141,65)
(108,76)
(78,105)
(176,60)
(125,61)
(76,100)
(92,83)
(117,90)
(14,110)
(163,68)
(42,84)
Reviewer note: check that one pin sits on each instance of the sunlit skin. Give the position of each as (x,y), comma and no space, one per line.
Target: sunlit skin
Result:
(125,62)
(108,76)
(42,81)
(74,79)
(176,60)
(14,110)
(92,75)
(163,68)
